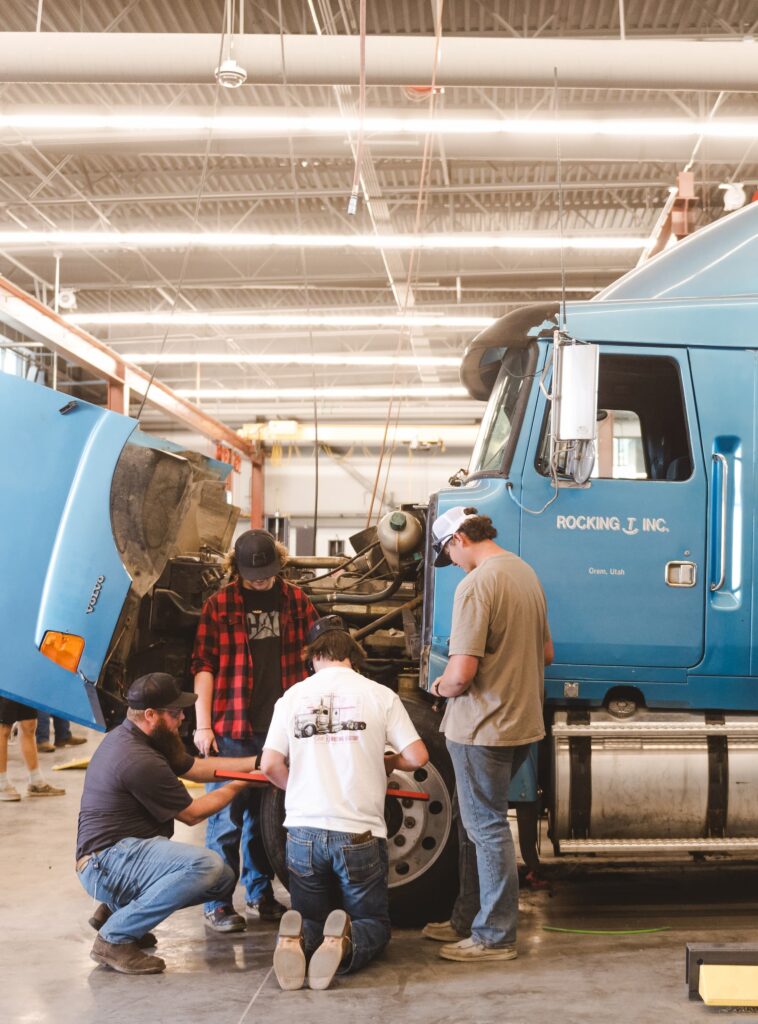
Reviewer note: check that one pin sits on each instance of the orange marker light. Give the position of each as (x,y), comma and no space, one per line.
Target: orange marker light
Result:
(65,649)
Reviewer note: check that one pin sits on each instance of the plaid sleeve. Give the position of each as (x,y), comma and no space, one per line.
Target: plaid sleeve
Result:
(300,616)
(205,653)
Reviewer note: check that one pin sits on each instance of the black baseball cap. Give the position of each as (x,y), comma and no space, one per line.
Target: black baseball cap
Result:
(327,624)
(158,690)
(256,555)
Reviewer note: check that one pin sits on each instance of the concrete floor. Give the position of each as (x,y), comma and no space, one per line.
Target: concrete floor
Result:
(47,975)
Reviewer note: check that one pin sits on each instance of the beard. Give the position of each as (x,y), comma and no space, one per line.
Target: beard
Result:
(169,744)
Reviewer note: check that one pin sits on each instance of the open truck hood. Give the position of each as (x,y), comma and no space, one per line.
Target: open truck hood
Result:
(91,511)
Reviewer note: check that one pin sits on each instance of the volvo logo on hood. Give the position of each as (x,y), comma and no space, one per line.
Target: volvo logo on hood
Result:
(95,594)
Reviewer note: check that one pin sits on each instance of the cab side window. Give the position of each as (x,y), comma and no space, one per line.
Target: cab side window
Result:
(642,426)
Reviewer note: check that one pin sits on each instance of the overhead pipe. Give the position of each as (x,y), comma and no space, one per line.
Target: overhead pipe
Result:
(129,57)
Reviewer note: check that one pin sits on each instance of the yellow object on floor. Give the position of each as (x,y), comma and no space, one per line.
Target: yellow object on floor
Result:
(78,762)
(192,785)
(728,985)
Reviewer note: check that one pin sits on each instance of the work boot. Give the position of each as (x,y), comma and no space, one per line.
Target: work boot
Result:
(101,915)
(470,951)
(43,789)
(45,747)
(289,955)
(441,931)
(225,919)
(265,909)
(332,951)
(125,957)
(71,741)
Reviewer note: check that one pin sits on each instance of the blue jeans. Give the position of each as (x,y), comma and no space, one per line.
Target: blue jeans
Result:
(239,823)
(487,904)
(145,880)
(328,870)
(61,725)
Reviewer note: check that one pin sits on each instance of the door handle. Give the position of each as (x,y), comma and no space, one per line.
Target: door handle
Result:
(718,457)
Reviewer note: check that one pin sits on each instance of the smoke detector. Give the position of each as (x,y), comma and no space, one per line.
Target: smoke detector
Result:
(230,74)
(67,298)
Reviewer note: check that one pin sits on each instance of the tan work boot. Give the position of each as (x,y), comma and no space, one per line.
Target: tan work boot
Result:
(289,955)
(125,957)
(441,931)
(332,951)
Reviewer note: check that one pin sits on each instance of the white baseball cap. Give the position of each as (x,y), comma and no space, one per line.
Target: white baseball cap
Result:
(443,528)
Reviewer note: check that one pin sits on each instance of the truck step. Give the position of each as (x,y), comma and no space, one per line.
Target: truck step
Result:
(633,846)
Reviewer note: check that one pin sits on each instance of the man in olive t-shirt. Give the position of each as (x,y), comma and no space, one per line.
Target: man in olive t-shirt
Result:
(499,646)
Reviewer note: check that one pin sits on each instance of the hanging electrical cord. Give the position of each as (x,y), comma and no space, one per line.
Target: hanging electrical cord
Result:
(553,468)
(306,282)
(412,262)
(352,205)
(195,221)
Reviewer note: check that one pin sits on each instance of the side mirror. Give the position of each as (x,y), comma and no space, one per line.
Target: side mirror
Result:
(574,413)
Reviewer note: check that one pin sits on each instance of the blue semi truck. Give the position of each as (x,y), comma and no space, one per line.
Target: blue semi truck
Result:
(641,526)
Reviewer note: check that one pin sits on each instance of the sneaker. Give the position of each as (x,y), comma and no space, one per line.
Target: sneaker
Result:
(468,950)
(43,789)
(9,793)
(46,747)
(265,909)
(334,948)
(70,741)
(441,931)
(289,954)
(126,958)
(225,919)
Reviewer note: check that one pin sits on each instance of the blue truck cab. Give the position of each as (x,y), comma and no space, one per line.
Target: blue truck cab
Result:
(96,516)
(648,567)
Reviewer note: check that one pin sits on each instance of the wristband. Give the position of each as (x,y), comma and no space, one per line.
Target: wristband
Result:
(203,728)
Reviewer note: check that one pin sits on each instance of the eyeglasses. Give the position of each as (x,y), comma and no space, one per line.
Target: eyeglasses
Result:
(175,713)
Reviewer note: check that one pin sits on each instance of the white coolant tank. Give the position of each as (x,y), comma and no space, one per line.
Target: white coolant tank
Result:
(399,534)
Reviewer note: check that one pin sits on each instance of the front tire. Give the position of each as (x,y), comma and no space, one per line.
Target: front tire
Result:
(423,847)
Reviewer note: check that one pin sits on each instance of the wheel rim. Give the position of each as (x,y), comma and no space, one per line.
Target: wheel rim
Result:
(417,830)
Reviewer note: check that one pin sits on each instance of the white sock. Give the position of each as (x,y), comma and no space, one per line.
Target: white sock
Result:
(3,780)
(36,778)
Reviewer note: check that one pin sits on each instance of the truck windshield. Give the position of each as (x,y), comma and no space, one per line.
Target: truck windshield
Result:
(502,418)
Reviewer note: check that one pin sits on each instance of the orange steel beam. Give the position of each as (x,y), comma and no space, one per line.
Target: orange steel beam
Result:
(256,495)
(23,312)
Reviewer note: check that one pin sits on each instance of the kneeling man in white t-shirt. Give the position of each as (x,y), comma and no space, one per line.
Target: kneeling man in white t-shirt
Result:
(326,748)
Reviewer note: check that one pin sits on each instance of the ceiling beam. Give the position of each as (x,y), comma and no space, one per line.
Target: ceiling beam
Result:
(22,312)
(390,60)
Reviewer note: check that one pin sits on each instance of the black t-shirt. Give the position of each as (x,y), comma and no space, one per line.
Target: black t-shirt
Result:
(130,791)
(262,612)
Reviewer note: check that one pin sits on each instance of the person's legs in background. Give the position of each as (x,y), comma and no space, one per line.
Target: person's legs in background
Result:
(235,835)
(62,733)
(11,712)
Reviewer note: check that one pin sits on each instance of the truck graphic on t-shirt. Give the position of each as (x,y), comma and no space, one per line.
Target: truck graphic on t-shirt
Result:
(325,718)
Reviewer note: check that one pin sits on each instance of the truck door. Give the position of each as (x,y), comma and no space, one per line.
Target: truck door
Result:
(622,559)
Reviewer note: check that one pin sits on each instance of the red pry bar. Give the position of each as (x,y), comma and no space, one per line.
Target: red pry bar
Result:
(260,778)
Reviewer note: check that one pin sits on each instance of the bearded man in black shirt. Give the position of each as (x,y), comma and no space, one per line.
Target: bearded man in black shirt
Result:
(132,796)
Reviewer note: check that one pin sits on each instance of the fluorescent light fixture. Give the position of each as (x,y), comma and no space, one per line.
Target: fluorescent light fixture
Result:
(266,240)
(416,435)
(344,394)
(335,125)
(217,319)
(287,358)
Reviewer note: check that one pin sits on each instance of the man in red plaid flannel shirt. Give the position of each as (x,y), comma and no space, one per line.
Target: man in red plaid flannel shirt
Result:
(248,650)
